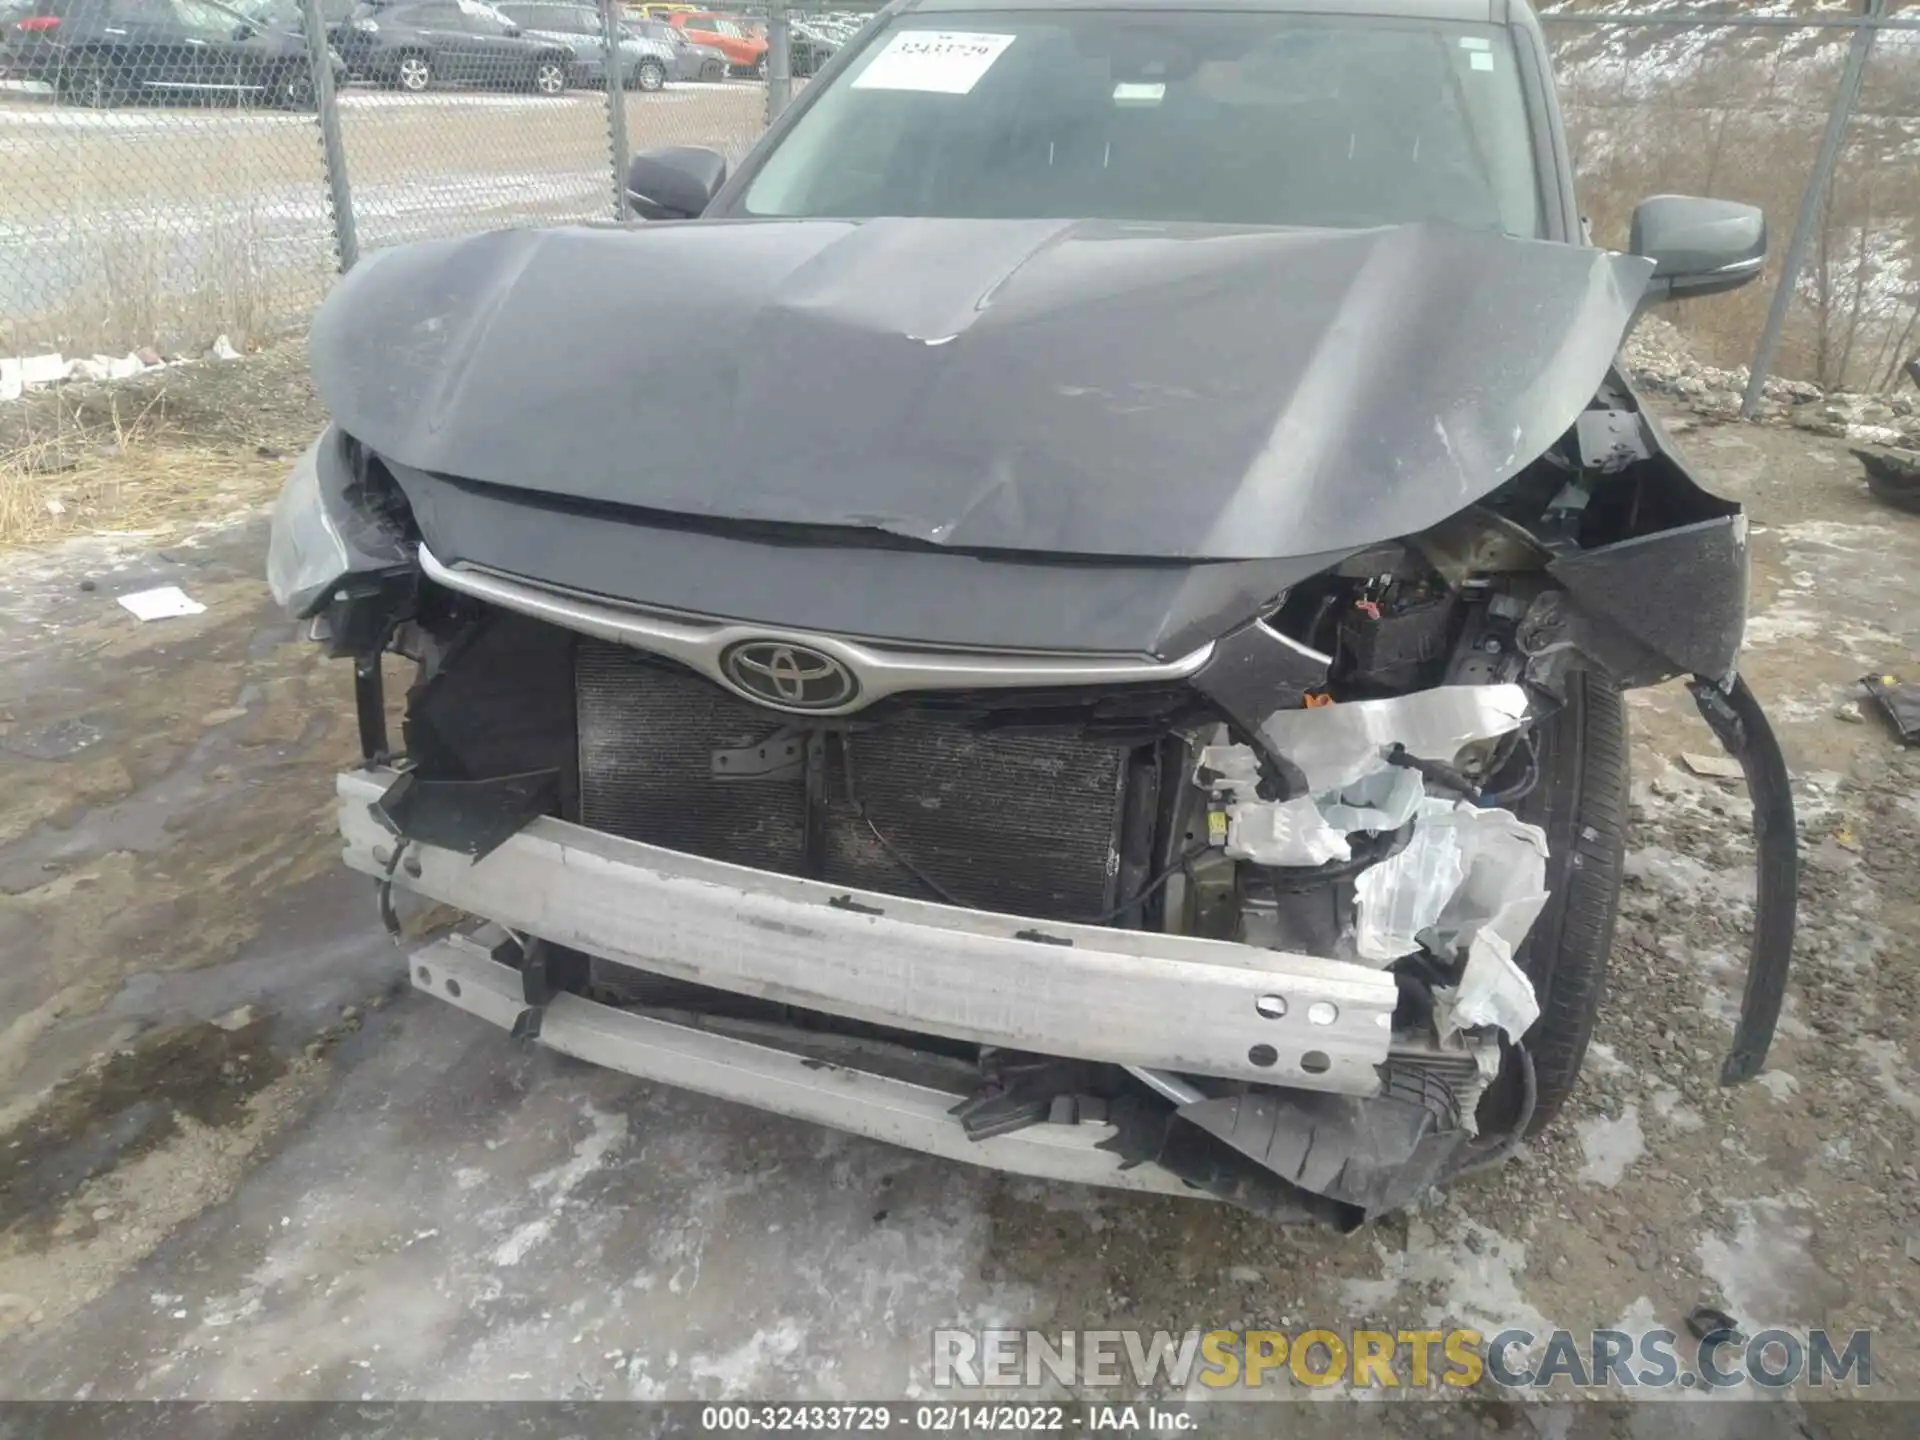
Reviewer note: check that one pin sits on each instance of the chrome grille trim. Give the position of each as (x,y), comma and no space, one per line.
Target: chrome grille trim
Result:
(882,670)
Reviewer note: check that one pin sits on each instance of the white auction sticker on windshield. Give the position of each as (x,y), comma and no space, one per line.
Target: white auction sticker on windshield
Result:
(946,62)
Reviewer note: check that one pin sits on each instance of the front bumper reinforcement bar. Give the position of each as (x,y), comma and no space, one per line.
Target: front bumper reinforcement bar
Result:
(1167,1002)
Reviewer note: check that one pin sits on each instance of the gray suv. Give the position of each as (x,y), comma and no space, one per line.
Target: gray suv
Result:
(1113,664)
(644,64)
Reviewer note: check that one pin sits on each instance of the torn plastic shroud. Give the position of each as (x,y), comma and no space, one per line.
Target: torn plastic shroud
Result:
(1083,388)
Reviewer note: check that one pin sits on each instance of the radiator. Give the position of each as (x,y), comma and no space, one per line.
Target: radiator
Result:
(1025,824)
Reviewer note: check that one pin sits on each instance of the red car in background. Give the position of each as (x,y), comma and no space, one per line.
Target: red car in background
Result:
(746,53)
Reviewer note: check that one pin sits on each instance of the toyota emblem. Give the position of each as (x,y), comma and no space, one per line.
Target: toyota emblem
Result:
(792,677)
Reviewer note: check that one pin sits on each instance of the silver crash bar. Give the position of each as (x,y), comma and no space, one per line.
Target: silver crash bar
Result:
(882,1108)
(1165,1002)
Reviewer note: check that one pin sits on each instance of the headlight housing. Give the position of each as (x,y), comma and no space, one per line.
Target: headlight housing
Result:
(324,528)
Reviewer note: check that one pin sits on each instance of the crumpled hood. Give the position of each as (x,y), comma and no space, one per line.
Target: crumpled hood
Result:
(1077,387)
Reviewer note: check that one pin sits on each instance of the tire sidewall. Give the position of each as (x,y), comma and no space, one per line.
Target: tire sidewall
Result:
(649,75)
(293,89)
(89,81)
(549,77)
(1580,801)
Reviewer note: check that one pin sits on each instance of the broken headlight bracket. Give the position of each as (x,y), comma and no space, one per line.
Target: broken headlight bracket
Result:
(1252,673)
(471,817)
(359,620)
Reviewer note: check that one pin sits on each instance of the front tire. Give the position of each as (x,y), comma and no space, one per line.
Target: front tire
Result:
(293,89)
(413,73)
(649,75)
(1580,800)
(93,82)
(549,77)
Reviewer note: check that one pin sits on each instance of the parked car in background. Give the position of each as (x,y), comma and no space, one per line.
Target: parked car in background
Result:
(337,17)
(106,52)
(644,64)
(746,54)
(690,61)
(808,48)
(423,43)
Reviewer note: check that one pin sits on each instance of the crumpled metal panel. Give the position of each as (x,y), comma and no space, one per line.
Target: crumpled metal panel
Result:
(1080,387)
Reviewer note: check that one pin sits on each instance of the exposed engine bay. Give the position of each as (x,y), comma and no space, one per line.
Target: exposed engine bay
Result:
(1366,773)
(1199,767)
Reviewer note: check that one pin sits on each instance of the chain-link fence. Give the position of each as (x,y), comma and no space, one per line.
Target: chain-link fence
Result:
(176,170)
(124,221)
(1815,118)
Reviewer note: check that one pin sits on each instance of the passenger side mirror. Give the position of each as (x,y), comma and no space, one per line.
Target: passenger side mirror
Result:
(675,183)
(1699,246)
(243,31)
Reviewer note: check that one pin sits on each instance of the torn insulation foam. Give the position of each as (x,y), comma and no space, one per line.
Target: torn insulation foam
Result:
(1335,745)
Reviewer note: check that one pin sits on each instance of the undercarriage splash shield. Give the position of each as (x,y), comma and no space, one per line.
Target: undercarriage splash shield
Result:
(1371,1153)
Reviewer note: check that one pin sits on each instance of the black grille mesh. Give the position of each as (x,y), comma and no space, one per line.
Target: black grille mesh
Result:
(1024,824)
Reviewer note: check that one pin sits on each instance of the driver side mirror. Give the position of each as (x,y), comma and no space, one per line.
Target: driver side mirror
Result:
(243,31)
(676,182)
(1699,246)
(513,29)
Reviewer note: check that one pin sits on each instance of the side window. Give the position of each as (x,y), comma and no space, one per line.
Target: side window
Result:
(481,19)
(140,12)
(204,19)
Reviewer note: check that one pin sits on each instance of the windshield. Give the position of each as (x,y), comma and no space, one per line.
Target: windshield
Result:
(269,14)
(1224,117)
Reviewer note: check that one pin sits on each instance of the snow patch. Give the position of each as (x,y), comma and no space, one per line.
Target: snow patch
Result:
(1610,1147)
(607,1133)
(1764,1270)
(758,1365)
(1670,1108)
(1474,1275)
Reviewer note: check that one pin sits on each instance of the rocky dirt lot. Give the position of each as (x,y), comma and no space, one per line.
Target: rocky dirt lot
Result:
(239,1159)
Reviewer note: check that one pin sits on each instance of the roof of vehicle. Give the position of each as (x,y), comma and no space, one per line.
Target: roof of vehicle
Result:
(1465,11)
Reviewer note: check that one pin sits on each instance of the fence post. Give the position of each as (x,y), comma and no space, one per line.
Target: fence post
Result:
(326,102)
(779,60)
(616,105)
(1812,204)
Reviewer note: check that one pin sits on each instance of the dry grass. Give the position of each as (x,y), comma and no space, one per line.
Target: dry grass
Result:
(118,466)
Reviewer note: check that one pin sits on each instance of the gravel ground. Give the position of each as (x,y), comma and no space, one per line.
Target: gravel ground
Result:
(244,1161)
